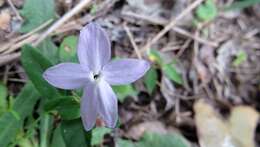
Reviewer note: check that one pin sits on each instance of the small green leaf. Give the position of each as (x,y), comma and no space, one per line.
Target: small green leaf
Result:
(67,50)
(35,64)
(3,95)
(74,134)
(156,140)
(67,107)
(172,74)
(98,135)
(36,12)
(207,11)
(93,9)
(242,4)
(123,91)
(155,56)
(150,80)
(48,49)
(240,58)
(23,105)
(124,143)
(57,139)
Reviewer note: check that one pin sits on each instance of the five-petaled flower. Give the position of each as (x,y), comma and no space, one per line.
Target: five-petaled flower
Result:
(95,73)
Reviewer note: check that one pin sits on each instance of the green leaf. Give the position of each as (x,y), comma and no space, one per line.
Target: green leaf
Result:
(123,91)
(3,95)
(57,139)
(35,64)
(23,105)
(74,134)
(150,80)
(124,143)
(158,140)
(155,56)
(98,135)
(242,4)
(48,49)
(207,11)
(67,50)
(67,106)
(172,74)
(93,9)
(240,58)
(36,12)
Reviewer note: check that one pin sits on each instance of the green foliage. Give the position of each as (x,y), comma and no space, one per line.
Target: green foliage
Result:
(23,106)
(167,69)
(93,9)
(48,49)
(124,143)
(35,64)
(172,74)
(168,140)
(36,12)
(74,134)
(57,139)
(207,11)
(67,106)
(155,56)
(3,95)
(98,135)
(123,91)
(242,4)
(156,140)
(67,50)
(45,128)
(150,80)
(240,58)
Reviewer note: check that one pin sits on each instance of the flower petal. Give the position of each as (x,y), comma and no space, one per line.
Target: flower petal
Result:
(88,108)
(124,71)
(108,109)
(66,76)
(94,49)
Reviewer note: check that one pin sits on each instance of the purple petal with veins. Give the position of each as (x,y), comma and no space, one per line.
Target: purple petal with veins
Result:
(124,71)
(94,74)
(93,47)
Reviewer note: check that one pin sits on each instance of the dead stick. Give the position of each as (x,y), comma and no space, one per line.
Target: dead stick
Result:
(63,19)
(131,38)
(171,24)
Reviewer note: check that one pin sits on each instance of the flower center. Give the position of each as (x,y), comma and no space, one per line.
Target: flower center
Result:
(96,76)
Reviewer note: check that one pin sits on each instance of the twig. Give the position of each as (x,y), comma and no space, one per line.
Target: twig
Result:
(5,77)
(17,80)
(130,35)
(194,37)
(21,43)
(171,24)
(64,18)
(9,57)
(176,29)
(13,42)
(42,26)
(14,9)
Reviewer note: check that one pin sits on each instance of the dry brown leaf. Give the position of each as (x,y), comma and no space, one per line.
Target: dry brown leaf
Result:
(243,123)
(213,131)
(137,131)
(2,2)
(5,18)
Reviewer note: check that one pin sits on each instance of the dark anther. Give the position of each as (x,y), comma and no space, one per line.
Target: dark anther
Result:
(96,76)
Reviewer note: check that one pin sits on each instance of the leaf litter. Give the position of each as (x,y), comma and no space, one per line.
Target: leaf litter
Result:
(225,74)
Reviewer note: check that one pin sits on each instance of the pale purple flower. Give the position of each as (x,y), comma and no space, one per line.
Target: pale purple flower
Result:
(95,73)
